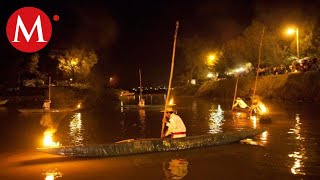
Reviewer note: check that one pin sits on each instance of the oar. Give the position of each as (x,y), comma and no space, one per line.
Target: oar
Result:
(171,73)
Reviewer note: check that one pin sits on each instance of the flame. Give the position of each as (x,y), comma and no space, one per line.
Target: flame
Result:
(47,140)
(263,108)
(79,105)
(171,102)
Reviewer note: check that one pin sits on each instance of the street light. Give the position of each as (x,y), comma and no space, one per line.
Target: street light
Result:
(291,31)
(211,59)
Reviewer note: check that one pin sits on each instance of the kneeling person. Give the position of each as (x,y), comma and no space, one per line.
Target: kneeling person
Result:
(176,127)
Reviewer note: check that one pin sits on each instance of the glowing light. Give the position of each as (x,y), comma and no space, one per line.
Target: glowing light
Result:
(48,140)
(210,75)
(264,137)
(291,31)
(52,174)
(79,105)
(254,121)
(216,119)
(171,102)
(74,61)
(299,156)
(76,129)
(262,108)
(211,59)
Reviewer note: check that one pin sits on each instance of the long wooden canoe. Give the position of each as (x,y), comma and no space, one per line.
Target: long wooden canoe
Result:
(3,102)
(132,106)
(129,147)
(43,111)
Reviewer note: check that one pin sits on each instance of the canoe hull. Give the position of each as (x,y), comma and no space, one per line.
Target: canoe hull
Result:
(153,145)
(144,107)
(3,102)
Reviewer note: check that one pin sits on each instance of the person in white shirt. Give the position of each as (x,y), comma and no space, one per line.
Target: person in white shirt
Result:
(176,127)
(240,103)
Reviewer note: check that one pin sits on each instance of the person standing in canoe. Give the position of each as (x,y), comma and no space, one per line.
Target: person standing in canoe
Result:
(176,127)
(46,105)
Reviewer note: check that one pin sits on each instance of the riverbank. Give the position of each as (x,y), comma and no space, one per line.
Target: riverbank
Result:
(61,97)
(290,87)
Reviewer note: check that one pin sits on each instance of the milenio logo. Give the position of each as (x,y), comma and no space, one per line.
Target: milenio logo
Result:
(29,29)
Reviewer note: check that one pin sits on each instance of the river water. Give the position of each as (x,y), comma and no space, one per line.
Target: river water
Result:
(289,149)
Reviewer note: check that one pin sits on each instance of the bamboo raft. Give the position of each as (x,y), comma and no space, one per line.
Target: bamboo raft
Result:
(132,146)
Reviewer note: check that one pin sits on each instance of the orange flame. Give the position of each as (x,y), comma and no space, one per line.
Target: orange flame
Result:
(48,140)
(171,102)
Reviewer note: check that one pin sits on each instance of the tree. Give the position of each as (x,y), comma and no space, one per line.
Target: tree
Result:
(75,63)
(194,56)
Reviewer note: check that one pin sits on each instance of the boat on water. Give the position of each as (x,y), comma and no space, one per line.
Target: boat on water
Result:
(133,106)
(46,106)
(149,145)
(127,93)
(3,101)
(47,110)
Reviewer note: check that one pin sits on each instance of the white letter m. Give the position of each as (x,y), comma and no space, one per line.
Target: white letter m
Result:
(27,35)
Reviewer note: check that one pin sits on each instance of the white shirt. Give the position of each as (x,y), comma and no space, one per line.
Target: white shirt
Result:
(175,125)
(241,103)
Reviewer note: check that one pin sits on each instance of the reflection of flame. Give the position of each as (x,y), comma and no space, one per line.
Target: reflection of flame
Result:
(254,121)
(264,137)
(52,174)
(47,140)
(176,169)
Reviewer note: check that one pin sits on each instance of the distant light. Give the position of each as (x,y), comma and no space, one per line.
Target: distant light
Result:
(291,31)
(70,79)
(193,81)
(210,75)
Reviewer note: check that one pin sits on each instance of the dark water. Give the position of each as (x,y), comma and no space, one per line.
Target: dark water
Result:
(290,149)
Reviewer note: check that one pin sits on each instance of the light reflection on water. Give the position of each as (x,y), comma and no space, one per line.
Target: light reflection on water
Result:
(52,174)
(175,168)
(76,129)
(216,119)
(142,118)
(299,155)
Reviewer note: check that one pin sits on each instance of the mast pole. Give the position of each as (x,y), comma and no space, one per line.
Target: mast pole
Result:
(171,73)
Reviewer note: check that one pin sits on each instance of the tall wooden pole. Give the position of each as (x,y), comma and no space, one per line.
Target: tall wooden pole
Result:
(171,73)
(49,87)
(235,92)
(259,60)
(140,85)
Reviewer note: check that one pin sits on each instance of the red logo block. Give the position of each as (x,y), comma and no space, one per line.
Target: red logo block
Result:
(29,29)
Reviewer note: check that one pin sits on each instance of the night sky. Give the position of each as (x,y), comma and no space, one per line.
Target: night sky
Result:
(128,35)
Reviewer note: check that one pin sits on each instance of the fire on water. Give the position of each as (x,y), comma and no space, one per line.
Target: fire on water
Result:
(48,139)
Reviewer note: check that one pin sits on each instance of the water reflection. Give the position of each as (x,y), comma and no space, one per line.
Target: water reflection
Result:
(175,168)
(216,119)
(121,106)
(52,174)
(142,118)
(76,129)
(299,156)
(194,109)
(264,137)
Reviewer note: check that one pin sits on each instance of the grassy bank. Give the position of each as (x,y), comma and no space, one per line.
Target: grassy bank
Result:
(292,87)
